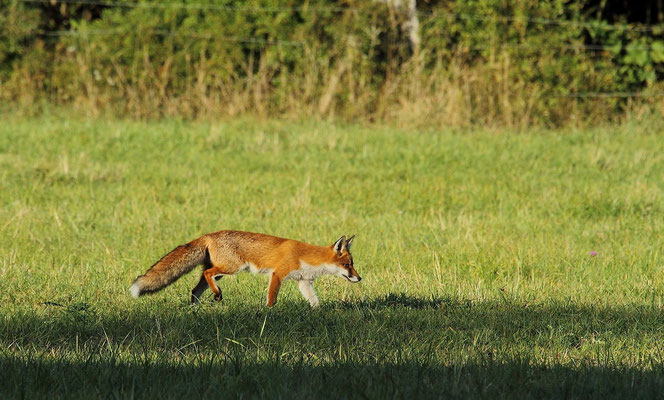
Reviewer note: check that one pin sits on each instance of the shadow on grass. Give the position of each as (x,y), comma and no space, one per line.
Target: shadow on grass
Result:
(381,320)
(393,346)
(394,300)
(42,377)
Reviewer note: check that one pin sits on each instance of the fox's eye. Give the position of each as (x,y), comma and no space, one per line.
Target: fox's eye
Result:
(347,265)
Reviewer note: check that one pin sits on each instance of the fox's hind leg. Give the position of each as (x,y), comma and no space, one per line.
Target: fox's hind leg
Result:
(210,275)
(198,290)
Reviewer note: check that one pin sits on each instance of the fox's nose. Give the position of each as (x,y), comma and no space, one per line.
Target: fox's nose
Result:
(359,278)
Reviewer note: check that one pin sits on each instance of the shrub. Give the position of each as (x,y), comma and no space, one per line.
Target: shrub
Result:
(478,62)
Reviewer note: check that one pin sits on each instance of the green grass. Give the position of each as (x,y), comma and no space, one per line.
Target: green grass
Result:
(473,248)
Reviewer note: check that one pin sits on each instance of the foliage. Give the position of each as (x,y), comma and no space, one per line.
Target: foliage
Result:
(479,62)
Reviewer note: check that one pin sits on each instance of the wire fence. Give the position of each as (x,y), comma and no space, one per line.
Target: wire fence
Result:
(191,6)
(170,33)
(212,36)
(600,95)
(577,47)
(602,26)
(598,25)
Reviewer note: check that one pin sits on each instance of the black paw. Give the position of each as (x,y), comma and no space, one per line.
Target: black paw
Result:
(217,297)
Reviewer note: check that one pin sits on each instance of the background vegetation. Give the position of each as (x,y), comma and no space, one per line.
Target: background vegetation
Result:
(475,252)
(478,62)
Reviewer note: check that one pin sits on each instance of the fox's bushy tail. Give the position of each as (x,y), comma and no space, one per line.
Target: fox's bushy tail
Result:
(173,265)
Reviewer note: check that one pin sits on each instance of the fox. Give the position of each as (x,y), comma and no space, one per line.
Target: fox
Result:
(228,252)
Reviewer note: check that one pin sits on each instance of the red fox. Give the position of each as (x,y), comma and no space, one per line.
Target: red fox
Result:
(229,252)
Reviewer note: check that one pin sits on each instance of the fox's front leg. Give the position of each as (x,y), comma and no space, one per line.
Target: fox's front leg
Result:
(273,289)
(307,289)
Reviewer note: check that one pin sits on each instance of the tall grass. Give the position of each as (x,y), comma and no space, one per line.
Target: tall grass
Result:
(452,95)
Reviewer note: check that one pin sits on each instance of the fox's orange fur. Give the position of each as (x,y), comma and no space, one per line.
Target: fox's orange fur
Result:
(229,252)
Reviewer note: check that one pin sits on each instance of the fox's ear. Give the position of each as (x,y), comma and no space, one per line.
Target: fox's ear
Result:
(349,242)
(339,244)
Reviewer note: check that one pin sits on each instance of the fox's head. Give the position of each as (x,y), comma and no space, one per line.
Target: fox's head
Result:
(344,260)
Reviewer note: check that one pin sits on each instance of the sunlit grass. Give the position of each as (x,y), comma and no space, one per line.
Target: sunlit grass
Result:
(474,248)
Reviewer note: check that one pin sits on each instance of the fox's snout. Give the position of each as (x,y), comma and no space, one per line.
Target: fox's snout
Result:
(353,276)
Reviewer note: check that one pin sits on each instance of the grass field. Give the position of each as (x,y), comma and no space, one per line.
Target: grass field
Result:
(474,248)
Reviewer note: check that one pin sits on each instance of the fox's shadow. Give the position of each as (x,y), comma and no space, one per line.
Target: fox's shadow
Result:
(394,300)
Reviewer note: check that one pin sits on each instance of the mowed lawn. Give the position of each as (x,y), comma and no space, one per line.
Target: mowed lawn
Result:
(494,264)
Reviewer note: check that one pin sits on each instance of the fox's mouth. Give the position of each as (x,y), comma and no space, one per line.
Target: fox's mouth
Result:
(353,279)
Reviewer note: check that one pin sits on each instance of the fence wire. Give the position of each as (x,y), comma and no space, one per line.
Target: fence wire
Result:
(328,9)
(212,36)
(324,9)
(191,6)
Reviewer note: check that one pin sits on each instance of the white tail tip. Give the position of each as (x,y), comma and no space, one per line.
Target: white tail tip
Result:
(135,290)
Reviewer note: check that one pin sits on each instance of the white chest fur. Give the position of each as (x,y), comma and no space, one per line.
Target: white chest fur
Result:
(310,272)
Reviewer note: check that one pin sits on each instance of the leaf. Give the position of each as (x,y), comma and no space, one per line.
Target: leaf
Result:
(657,51)
(636,54)
(646,75)
(614,48)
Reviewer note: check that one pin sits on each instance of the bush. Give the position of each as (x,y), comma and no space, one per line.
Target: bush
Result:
(478,62)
